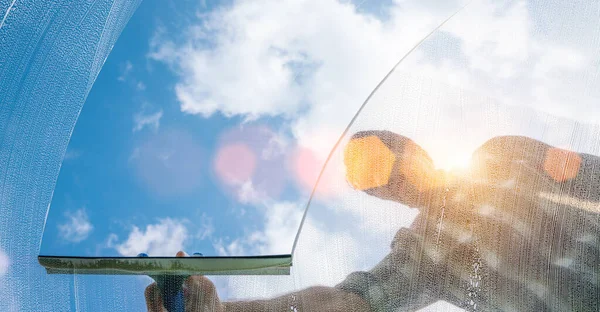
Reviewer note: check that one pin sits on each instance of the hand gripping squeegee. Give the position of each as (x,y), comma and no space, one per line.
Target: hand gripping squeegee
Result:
(169,272)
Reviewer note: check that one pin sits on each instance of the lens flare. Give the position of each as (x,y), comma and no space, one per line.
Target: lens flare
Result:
(562,165)
(250,163)
(306,166)
(368,163)
(235,163)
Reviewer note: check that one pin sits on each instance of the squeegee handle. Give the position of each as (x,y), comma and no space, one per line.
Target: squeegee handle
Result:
(173,301)
(172,292)
(171,288)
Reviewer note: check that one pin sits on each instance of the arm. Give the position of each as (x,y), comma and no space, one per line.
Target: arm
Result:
(201,295)
(310,299)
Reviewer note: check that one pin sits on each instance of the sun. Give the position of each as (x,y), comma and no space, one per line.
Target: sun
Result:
(456,161)
(451,159)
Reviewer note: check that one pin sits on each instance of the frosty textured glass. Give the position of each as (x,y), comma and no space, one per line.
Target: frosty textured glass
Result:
(50,55)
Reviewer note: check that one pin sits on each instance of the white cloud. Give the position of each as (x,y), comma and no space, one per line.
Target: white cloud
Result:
(558,58)
(164,238)
(234,248)
(4,263)
(281,226)
(494,41)
(268,53)
(77,227)
(323,257)
(206,229)
(276,146)
(508,58)
(125,71)
(142,120)
(276,237)
(72,154)
(112,240)
(248,194)
(314,62)
(318,73)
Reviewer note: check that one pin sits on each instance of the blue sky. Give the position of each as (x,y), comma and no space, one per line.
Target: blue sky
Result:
(113,178)
(190,89)
(97,178)
(106,186)
(139,163)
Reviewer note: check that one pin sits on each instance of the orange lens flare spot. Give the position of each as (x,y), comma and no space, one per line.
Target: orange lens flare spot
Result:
(368,163)
(562,165)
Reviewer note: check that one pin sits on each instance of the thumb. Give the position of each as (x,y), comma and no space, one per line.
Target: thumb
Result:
(389,166)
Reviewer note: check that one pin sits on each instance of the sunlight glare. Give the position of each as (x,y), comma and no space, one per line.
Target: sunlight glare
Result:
(450,159)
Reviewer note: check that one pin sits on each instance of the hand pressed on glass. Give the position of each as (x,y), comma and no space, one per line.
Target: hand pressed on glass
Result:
(517,231)
(200,294)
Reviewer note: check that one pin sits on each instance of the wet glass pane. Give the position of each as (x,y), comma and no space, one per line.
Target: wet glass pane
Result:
(467,180)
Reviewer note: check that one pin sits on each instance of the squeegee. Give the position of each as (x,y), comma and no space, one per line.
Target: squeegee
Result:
(169,272)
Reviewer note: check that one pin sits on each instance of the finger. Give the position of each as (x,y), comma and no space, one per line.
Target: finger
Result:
(200,294)
(516,158)
(153,298)
(389,166)
(508,157)
(503,157)
(181,254)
